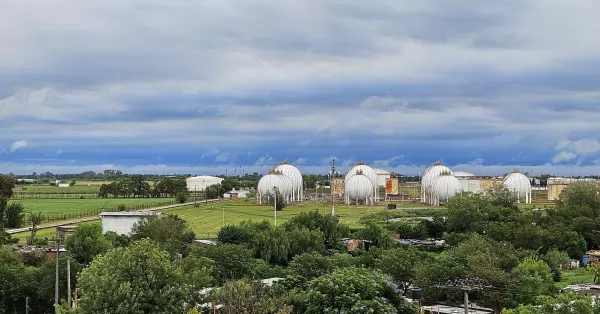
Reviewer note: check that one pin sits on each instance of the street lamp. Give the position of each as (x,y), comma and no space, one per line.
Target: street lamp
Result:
(331,184)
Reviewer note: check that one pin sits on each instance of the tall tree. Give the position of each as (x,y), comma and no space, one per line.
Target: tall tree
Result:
(139,279)
(87,242)
(169,231)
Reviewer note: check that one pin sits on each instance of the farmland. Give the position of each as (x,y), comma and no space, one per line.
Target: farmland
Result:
(69,206)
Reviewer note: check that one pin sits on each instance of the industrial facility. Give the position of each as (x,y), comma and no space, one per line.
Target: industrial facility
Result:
(284,180)
(439,183)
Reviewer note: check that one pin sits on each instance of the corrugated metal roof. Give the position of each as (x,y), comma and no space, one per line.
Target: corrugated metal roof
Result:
(146,213)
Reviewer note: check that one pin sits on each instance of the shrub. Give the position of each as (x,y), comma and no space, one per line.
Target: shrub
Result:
(122,207)
(181,197)
(15,215)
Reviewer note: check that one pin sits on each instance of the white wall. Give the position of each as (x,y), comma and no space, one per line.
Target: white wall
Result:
(381,178)
(199,184)
(119,224)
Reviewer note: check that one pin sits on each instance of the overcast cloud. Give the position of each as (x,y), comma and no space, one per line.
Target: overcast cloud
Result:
(204,86)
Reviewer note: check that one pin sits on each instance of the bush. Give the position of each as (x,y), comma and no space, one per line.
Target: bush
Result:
(181,197)
(391,206)
(122,207)
(15,215)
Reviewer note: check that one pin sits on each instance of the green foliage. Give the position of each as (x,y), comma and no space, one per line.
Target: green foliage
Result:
(376,234)
(250,297)
(169,231)
(169,187)
(409,229)
(35,219)
(7,184)
(564,303)
(276,199)
(582,193)
(355,290)
(333,231)
(555,259)
(117,240)
(181,197)
(87,242)
(533,278)
(14,215)
(268,243)
(139,279)
(233,234)
(232,262)
(594,269)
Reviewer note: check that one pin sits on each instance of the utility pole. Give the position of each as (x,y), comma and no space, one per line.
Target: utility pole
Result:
(56,282)
(275,205)
(331,183)
(27,305)
(467,285)
(69,282)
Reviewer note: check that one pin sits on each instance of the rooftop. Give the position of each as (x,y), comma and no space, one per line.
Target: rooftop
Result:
(145,213)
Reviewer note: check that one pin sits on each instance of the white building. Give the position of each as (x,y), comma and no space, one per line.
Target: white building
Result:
(199,183)
(382,176)
(122,222)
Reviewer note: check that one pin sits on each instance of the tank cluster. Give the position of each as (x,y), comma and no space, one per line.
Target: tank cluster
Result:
(439,183)
(285,179)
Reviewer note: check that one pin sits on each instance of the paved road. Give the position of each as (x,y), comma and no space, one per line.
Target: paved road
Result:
(70,222)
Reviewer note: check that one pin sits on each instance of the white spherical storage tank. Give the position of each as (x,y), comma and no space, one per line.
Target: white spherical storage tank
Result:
(429,175)
(358,188)
(272,181)
(296,177)
(444,187)
(366,171)
(519,185)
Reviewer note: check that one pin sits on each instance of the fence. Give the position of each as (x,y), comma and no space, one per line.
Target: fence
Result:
(95,212)
(84,195)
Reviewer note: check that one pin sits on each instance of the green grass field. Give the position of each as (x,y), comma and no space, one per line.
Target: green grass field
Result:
(66,206)
(574,277)
(206,221)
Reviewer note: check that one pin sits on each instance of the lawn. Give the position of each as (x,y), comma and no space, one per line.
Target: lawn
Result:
(575,276)
(50,233)
(68,206)
(206,221)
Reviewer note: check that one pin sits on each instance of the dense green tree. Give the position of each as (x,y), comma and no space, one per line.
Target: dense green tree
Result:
(87,242)
(233,262)
(250,297)
(169,231)
(169,187)
(556,259)
(378,235)
(14,215)
(355,290)
(139,279)
(233,234)
(564,303)
(333,231)
(533,278)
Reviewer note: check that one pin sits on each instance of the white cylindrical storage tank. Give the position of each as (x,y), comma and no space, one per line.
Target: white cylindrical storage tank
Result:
(358,188)
(444,187)
(296,177)
(366,171)
(268,183)
(429,175)
(519,185)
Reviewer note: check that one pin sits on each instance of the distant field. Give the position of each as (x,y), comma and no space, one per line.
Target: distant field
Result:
(206,221)
(66,206)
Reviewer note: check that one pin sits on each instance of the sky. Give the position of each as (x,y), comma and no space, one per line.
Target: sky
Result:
(206,87)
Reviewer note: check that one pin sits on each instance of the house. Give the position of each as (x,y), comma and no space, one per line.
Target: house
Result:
(50,250)
(591,256)
(122,222)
